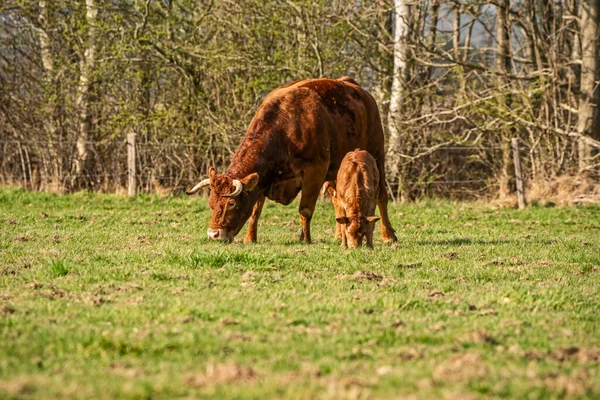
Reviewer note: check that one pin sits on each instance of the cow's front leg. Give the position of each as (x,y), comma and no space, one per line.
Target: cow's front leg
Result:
(370,229)
(253,221)
(310,193)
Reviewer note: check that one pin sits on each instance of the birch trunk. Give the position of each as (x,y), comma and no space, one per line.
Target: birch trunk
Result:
(588,122)
(399,81)
(503,66)
(433,22)
(82,100)
(456,32)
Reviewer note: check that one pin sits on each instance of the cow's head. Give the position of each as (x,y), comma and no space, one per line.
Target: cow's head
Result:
(231,201)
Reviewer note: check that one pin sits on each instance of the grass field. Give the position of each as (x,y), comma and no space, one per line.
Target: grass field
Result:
(103,297)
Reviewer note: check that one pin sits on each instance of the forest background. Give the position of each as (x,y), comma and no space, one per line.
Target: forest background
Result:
(455,81)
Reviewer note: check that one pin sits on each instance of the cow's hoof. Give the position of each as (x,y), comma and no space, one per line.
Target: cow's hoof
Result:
(304,239)
(389,238)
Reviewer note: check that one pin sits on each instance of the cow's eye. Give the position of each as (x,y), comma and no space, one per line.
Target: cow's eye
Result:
(230,204)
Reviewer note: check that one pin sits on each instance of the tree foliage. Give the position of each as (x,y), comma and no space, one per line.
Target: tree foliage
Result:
(188,75)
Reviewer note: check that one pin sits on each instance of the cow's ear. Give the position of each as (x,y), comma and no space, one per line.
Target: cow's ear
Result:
(331,191)
(373,219)
(212,172)
(342,220)
(250,181)
(327,185)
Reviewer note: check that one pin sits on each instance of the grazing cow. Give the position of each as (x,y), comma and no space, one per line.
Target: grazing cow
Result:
(296,142)
(354,197)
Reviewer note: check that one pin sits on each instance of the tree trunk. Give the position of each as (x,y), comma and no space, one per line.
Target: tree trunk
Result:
(469,35)
(399,82)
(433,21)
(588,122)
(49,108)
(503,66)
(83,100)
(574,72)
(456,32)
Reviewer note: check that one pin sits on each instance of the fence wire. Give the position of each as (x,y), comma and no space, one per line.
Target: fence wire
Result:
(175,165)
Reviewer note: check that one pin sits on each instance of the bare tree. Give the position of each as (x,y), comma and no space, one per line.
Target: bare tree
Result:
(454,80)
(589,122)
(49,77)
(503,66)
(400,77)
(84,93)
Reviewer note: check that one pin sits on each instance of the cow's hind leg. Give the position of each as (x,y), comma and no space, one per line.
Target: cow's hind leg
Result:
(387,232)
(311,187)
(253,222)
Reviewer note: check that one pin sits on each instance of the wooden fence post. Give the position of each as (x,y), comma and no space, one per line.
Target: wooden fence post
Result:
(131,156)
(518,173)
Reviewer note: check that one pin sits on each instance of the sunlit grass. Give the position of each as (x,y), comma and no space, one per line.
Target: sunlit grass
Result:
(103,296)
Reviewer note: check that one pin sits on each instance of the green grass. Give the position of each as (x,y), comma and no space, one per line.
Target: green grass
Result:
(103,297)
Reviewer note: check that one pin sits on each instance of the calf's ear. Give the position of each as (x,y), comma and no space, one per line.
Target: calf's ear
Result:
(331,191)
(250,181)
(343,220)
(373,219)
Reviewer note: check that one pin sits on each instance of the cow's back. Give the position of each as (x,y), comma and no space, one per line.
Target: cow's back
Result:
(355,119)
(315,121)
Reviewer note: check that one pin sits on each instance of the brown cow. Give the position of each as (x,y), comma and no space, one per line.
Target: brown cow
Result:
(295,142)
(354,197)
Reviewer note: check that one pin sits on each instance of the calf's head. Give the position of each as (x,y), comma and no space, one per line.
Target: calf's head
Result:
(231,201)
(357,228)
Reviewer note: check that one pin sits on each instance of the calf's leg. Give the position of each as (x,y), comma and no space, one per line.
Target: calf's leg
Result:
(338,231)
(344,244)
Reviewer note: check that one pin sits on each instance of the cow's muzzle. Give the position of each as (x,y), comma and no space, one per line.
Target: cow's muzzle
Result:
(219,234)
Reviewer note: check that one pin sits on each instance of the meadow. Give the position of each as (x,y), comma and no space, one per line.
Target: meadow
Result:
(104,296)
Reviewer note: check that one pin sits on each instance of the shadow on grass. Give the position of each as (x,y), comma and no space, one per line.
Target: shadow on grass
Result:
(463,242)
(470,241)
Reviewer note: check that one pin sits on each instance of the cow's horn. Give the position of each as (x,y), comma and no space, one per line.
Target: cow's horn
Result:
(199,186)
(238,189)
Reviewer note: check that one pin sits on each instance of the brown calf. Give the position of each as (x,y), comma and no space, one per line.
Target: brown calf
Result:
(354,198)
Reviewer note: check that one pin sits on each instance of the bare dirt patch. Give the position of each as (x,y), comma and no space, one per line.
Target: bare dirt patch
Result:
(582,356)
(18,387)
(125,370)
(479,337)
(461,367)
(7,310)
(221,374)
(363,276)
